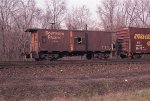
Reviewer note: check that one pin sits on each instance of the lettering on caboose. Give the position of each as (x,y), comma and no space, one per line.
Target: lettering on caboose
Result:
(54,35)
(141,36)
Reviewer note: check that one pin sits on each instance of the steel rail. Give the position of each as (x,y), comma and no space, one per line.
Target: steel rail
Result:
(4,64)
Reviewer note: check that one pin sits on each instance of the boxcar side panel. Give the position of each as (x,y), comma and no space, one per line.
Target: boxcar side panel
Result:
(140,40)
(133,40)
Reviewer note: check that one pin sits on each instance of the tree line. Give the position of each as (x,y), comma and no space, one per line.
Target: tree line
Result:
(18,15)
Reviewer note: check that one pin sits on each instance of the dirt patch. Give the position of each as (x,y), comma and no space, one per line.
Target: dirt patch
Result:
(48,82)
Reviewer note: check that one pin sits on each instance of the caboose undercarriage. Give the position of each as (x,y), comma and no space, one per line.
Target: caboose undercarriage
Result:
(55,55)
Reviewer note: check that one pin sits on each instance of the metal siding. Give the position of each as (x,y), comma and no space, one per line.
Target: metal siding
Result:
(139,43)
(124,35)
(79,47)
(71,41)
(34,42)
(56,40)
(99,40)
(130,43)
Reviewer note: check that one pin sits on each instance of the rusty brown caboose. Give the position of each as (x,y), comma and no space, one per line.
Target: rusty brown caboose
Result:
(54,44)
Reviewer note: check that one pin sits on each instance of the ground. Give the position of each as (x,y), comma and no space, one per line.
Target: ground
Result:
(55,82)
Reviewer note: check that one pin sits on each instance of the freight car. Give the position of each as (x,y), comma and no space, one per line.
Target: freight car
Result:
(132,42)
(54,44)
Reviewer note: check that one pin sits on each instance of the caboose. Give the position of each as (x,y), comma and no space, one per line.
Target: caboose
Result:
(54,44)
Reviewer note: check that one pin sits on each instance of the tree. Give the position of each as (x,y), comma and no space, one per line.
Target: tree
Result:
(107,12)
(126,14)
(15,17)
(78,18)
(6,6)
(143,13)
(55,13)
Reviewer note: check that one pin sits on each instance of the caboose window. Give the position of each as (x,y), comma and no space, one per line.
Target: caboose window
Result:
(43,39)
(78,40)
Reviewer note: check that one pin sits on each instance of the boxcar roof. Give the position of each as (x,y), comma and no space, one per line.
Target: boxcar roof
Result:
(129,28)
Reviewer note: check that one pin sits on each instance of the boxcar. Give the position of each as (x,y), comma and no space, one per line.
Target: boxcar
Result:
(133,42)
(55,44)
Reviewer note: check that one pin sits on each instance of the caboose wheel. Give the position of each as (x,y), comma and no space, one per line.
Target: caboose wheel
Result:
(123,56)
(89,56)
(106,56)
(53,57)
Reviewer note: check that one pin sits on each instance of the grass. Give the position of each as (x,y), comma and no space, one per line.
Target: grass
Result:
(101,91)
(142,95)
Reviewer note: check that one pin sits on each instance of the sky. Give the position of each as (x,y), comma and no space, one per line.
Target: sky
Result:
(91,4)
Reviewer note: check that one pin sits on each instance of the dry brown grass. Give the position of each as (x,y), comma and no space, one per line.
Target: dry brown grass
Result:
(72,82)
(141,95)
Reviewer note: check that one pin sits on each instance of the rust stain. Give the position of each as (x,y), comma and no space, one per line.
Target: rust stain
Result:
(71,40)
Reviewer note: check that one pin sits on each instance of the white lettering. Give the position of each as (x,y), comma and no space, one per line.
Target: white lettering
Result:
(54,35)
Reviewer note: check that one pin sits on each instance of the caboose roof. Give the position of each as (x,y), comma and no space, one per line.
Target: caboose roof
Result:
(37,29)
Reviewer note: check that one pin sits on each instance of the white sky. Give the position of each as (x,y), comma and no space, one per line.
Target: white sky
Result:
(91,4)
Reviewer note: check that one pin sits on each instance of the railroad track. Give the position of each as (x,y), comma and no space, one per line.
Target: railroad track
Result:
(8,64)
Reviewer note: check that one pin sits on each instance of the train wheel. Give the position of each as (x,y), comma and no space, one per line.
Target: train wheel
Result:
(53,57)
(137,56)
(123,56)
(89,56)
(43,56)
(98,55)
(106,56)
